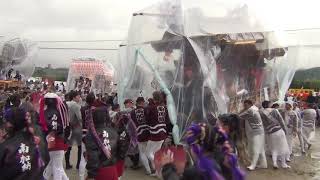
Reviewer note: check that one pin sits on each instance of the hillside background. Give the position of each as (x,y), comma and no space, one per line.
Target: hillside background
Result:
(308,79)
(57,74)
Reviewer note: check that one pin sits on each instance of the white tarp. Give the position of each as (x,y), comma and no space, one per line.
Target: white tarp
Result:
(210,55)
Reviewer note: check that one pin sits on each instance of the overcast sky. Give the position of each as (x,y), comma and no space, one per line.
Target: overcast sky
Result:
(42,20)
(68,19)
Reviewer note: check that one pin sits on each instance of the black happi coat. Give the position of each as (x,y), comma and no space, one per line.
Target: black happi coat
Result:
(54,123)
(121,125)
(109,137)
(138,116)
(19,158)
(158,122)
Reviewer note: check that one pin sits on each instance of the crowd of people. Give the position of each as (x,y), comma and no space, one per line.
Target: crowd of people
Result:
(54,123)
(9,75)
(39,129)
(271,130)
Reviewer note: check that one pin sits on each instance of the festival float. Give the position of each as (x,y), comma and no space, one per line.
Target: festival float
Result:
(89,74)
(207,59)
(205,63)
(16,61)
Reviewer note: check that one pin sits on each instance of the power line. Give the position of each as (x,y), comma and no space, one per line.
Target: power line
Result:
(304,29)
(90,49)
(75,41)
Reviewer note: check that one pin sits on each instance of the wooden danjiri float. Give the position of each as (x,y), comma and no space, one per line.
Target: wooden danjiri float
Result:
(207,60)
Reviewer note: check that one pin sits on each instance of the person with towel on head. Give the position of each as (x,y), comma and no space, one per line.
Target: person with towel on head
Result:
(290,118)
(297,110)
(255,134)
(276,130)
(309,116)
(55,122)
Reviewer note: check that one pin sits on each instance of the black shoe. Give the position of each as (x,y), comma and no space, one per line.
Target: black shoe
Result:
(135,167)
(68,166)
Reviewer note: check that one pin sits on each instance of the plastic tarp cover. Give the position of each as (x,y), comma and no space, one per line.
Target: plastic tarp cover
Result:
(207,62)
(17,54)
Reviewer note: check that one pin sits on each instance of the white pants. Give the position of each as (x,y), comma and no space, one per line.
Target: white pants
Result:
(290,138)
(267,145)
(307,134)
(152,148)
(143,155)
(83,163)
(55,166)
(302,146)
(256,145)
(279,147)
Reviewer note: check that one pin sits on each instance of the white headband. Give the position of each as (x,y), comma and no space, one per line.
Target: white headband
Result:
(51,95)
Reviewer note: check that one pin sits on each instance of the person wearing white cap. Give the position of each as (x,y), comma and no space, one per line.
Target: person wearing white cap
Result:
(255,135)
(297,110)
(55,122)
(309,116)
(275,129)
(291,122)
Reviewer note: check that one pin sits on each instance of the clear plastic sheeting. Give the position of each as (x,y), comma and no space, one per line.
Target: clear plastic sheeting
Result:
(89,74)
(207,61)
(17,55)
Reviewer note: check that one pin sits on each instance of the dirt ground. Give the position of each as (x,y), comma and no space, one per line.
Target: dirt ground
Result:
(302,168)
